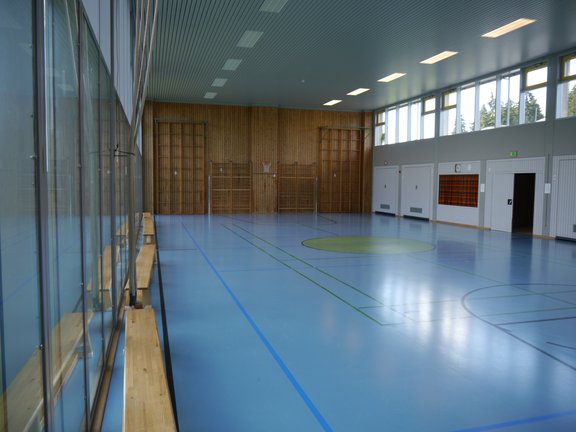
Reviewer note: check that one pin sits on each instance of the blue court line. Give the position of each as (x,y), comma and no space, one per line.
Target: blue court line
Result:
(519,422)
(264,340)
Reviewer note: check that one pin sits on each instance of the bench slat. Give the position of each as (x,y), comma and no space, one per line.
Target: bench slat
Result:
(144,264)
(147,404)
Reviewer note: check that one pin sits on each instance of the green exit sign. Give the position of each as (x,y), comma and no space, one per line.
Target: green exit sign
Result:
(514,153)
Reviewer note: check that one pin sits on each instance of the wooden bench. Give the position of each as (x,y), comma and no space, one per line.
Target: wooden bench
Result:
(144,264)
(21,404)
(149,234)
(147,405)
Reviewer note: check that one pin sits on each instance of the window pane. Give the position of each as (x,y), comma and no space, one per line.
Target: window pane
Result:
(391,126)
(449,99)
(428,126)
(569,67)
(535,105)
(19,289)
(380,135)
(90,65)
(381,117)
(415,116)
(467,108)
(106,163)
(567,99)
(487,103)
(510,100)
(536,77)
(430,104)
(64,186)
(448,122)
(403,123)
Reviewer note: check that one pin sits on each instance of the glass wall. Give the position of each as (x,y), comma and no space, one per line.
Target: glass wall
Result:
(64,234)
(63,218)
(20,335)
(92,235)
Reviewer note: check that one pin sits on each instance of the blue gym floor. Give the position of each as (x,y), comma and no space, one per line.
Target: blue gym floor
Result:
(476,334)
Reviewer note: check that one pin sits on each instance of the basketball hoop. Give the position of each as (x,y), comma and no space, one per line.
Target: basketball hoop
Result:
(266,166)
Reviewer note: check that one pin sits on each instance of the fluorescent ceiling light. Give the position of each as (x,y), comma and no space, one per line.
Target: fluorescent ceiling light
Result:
(357,91)
(274,6)
(439,57)
(333,102)
(219,82)
(249,39)
(510,27)
(231,64)
(210,95)
(392,77)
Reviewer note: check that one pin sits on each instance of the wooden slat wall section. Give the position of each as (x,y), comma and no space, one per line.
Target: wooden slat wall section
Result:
(368,123)
(148,156)
(242,134)
(264,147)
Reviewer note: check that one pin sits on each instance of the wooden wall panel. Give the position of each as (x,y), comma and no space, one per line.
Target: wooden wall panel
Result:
(242,134)
(264,147)
(148,157)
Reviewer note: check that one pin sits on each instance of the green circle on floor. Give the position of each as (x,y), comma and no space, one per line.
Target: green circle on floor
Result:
(367,245)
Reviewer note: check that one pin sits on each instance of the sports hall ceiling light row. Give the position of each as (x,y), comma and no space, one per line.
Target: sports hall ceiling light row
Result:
(500,31)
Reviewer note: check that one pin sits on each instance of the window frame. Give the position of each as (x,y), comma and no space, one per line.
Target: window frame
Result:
(526,70)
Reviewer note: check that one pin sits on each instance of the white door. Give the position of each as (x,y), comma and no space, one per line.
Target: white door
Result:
(502,202)
(385,190)
(566,214)
(417,190)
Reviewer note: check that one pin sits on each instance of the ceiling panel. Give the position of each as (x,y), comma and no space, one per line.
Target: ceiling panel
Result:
(313,51)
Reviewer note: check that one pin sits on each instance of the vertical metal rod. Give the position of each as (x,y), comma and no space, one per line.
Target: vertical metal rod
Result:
(111,147)
(83,177)
(316,197)
(209,195)
(131,231)
(41,192)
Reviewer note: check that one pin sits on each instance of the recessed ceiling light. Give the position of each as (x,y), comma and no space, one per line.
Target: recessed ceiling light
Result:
(357,91)
(231,64)
(249,39)
(510,27)
(219,82)
(392,77)
(274,6)
(210,95)
(333,102)
(439,57)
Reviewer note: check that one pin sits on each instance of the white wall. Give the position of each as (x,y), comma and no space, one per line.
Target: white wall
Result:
(458,214)
(98,12)
(123,56)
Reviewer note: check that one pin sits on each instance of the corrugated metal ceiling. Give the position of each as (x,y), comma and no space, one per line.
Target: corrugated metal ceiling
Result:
(313,51)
